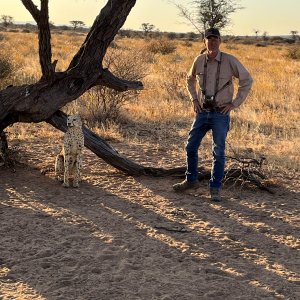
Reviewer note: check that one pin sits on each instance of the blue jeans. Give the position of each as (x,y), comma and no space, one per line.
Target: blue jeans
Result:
(219,124)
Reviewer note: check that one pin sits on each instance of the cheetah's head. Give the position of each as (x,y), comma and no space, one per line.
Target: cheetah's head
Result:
(74,121)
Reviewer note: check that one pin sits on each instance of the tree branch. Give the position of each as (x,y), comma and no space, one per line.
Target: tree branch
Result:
(42,19)
(32,8)
(102,33)
(186,14)
(99,146)
(109,80)
(45,52)
(103,150)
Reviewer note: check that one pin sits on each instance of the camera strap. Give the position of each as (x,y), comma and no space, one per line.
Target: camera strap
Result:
(223,87)
(217,77)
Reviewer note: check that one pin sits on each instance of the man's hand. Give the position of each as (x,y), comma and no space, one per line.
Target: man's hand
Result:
(197,107)
(226,108)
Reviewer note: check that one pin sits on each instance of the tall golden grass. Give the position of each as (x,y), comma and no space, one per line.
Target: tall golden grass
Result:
(266,124)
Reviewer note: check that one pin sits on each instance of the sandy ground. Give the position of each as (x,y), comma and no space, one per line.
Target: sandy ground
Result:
(120,237)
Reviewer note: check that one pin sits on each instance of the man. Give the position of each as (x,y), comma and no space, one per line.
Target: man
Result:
(214,72)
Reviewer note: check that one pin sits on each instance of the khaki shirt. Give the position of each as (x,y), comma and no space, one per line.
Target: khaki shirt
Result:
(230,67)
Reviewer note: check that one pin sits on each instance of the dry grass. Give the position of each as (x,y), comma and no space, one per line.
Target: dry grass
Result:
(267,123)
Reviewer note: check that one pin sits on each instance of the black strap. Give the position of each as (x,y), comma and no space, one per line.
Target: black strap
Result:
(217,77)
(222,88)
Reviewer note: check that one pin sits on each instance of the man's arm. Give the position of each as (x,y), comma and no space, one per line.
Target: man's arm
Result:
(245,81)
(191,81)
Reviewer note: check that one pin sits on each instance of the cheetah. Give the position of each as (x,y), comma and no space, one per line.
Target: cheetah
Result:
(69,160)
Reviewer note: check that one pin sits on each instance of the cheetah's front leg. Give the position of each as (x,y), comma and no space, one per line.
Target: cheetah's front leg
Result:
(77,176)
(59,166)
(67,171)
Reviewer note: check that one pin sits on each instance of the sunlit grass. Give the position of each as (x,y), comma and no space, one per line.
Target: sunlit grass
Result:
(268,122)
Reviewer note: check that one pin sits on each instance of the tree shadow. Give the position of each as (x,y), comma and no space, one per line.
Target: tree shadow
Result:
(261,232)
(112,239)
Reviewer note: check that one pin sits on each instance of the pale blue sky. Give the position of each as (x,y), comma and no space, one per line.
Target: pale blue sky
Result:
(276,17)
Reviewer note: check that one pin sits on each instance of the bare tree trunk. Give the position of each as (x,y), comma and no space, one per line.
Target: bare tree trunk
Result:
(41,101)
(42,19)
(38,102)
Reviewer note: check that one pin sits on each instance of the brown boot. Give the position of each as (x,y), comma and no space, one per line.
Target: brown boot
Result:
(186,185)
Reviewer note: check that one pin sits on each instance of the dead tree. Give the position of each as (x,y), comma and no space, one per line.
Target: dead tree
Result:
(43,100)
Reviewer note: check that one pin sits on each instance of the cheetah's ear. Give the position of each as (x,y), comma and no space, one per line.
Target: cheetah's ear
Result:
(84,122)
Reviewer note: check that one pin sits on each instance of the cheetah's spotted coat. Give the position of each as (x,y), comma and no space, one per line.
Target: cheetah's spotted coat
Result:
(69,160)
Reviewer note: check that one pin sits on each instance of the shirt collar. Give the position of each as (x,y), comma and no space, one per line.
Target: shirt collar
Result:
(218,57)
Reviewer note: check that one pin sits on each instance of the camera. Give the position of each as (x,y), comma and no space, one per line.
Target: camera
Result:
(209,102)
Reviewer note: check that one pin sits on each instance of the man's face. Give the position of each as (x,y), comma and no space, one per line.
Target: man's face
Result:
(212,43)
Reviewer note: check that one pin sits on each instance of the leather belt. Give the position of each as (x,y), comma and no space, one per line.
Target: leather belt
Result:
(215,109)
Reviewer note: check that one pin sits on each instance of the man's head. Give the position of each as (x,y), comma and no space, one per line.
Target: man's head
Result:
(212,41)
(212,32)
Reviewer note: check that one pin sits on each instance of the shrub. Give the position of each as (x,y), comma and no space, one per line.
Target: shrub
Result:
(101,104)
(261,44)
(172,35)
(161,46)
(231,47)
(6,71)
(188,44)
(293,53)
(173,83)
(247,41)
(6,67)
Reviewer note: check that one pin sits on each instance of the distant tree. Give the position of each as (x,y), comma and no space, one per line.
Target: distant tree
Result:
(181,35)
(172,35)
(147,28)
(30,26)
(192,35)
(51,24)
(77,24)
(209,13)
(190,17)
(294,34)
(156,34)
(7,20)
(265,36)
(256,31)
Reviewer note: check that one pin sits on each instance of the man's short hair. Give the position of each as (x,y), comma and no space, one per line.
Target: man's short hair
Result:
(212,32)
